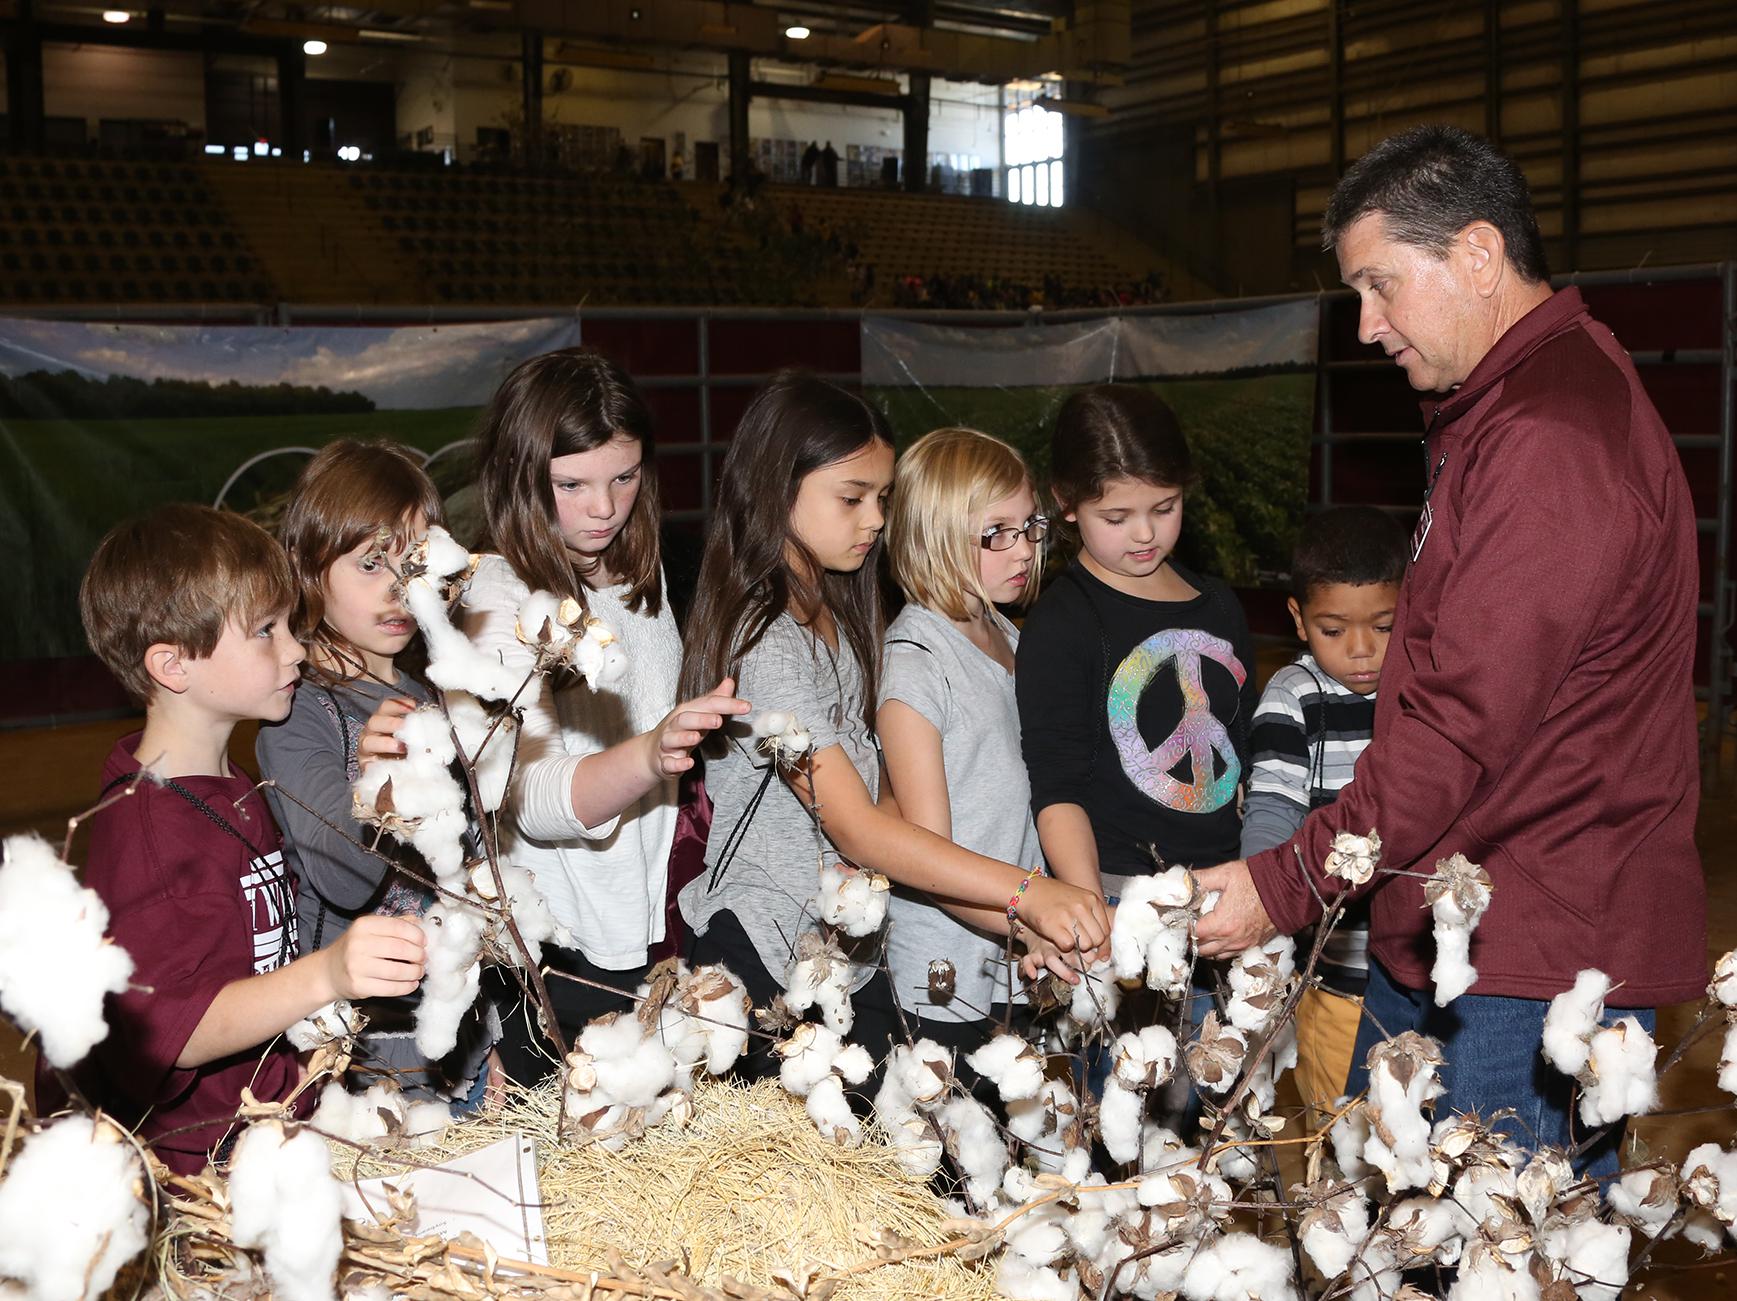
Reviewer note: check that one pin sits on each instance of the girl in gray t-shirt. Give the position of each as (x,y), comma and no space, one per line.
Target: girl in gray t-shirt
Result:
(965,535)
(787,603)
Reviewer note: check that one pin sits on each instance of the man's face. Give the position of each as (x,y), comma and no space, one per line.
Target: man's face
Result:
(1422,309)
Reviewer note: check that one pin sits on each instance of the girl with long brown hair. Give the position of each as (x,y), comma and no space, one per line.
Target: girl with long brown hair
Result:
(788,604)
(570,496)
(355,511)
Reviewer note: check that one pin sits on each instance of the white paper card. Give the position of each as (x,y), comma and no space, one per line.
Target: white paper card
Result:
(492,1192)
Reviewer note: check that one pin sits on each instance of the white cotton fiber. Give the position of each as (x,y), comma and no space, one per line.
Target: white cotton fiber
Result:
(1574,1014)
(1620,1061)
(1239,1267)
(451,976)
(71,1210)
(55,965)
(1011,1064)
(855,902)
(285,1202)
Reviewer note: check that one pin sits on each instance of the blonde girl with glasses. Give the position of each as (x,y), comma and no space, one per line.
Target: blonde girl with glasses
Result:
(964,536)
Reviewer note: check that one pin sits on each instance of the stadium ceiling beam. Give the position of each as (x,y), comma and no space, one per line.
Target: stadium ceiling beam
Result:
(826,95)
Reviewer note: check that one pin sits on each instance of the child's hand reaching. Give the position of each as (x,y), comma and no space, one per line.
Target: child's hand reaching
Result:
(1041,956)
(378,957)
(672,741)
(379,738)
(1072,919)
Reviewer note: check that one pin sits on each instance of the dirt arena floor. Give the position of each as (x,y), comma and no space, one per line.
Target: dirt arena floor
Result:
(50,774)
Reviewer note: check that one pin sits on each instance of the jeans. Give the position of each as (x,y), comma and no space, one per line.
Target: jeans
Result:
(1494,1061)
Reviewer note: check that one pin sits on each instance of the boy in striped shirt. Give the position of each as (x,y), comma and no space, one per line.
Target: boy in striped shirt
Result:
(1314,720)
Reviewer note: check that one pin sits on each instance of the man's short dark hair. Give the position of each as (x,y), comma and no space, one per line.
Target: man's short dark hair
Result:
(1357,545)
(1429,184)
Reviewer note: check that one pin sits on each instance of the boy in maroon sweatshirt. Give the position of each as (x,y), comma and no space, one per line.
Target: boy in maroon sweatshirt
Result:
(187,607)
(1537,706)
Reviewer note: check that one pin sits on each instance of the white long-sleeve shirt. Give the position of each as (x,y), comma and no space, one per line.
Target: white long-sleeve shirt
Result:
(604,883)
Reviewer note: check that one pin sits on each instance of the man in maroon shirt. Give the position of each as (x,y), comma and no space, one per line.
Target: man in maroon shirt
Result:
(1537,706)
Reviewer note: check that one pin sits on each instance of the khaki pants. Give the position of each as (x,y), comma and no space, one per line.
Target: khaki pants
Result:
(1326,1035)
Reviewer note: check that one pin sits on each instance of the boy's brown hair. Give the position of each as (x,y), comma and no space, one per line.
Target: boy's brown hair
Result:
(178,576)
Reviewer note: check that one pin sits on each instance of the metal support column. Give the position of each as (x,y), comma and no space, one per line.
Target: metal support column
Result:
(1570,133)
(917,133)
(292,100)
(738,111)
(1336,86)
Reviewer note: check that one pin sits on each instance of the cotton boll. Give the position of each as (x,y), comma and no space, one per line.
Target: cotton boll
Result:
(1402,1080)
(977,1144)
(809,1056)
(1620,1063)
(359,1117)
(338,1019)
(427,1120)
(1018,1279)
(917,1075)
(855,902)
(1594,1258)
(1150,934)
(451,976)
(1239,1267)
(1710,1182)
(1093,1002)
(442,553)
(717,1031)
(1573,1017)
(487,746)
(454,661)
(1458,895)
(819,977)
(831,1114)
(1487,1273)
(1354,858)
(781,735)
(1121,1113)
(1333,1228)
(531,913)
(1479,1191)
(913,1140)
(632,1068)
(71,1208)
(1728,1060)
(1723,989)
(1349,1135)
(55,965)
(1011,1064)
(1704,1231)
(1045,1121)
(1428,1231)
(1146,1058)
(285,1202)
(1645,1198)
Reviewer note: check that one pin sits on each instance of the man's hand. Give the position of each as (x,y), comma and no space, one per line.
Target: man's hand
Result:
(1240,920)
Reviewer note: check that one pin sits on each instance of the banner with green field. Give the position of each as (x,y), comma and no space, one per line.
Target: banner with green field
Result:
(99,422)
(1242,384)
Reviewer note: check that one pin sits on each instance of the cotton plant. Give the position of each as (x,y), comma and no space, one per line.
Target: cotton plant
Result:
(1333,1225)
(1646,1199)
(415,796)
(380,1114)
(73,1210)
(1240,1267)
(1012,1065)
(1402,1083)
(704,1021)
(56,962)
(1458,894)
(565,636)
(819,976)
(816,1065)
(431,576)
(1620,1078)
(621,1079)
(974,1138)
(1089,1005)
(1152,934)
(916,1082)
(780,734)
(1260,982)
(488,743)
(853,902)
(1572,1019)
(451,976)
(529,909)
(285,1203)
(336,1021)
(1142,1061)
(1051,1123)
(1216,1054)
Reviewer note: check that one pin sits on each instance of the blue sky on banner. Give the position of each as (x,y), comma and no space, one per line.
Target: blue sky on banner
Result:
(900,353)
(422,367)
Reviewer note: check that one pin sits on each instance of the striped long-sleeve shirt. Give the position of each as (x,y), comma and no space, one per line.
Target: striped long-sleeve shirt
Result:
(1308,733)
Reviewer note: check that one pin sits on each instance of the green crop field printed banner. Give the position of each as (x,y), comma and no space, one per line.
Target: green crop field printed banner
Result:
(1242,384)
(100,422)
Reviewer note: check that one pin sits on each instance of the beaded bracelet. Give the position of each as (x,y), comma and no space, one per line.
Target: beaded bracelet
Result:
(1013,903)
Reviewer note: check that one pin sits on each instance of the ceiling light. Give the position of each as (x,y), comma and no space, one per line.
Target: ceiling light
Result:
(313,47)
(116,16)
(797,32)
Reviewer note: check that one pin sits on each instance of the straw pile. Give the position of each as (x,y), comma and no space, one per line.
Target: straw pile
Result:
(747,1191)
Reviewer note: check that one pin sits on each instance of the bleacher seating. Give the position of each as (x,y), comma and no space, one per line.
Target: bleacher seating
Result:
(113,231)
(93,230)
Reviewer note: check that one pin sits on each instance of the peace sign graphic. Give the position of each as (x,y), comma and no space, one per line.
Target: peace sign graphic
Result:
(1199,736)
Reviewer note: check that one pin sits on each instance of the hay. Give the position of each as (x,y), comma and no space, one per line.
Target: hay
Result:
(747,1191)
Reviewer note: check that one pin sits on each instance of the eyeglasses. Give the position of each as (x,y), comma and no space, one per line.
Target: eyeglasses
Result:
(1002,538)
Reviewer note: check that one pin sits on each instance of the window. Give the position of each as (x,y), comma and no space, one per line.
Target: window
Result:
(1032,143)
